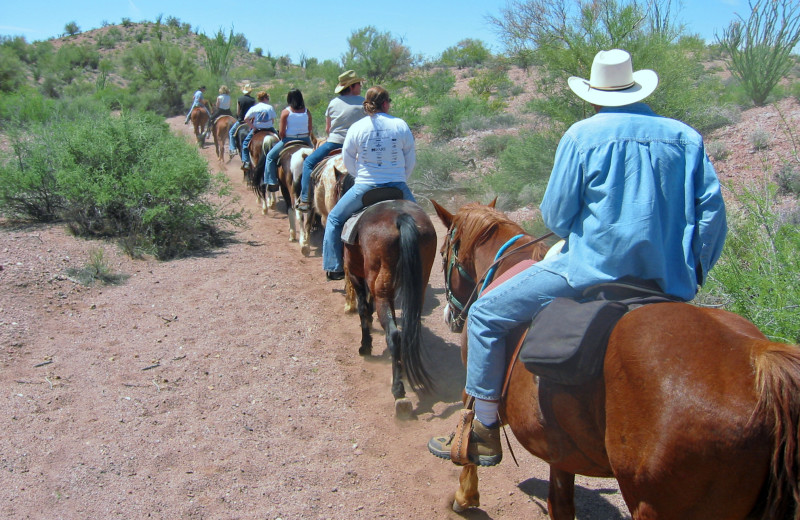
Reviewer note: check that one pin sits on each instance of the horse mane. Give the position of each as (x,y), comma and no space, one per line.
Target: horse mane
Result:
(476,223)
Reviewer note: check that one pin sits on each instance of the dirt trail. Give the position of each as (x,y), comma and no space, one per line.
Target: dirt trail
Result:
(224,386)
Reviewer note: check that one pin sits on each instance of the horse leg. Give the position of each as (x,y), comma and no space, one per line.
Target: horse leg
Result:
(305,227)
(561,495)
(467,494)
(350,304)
(365,310)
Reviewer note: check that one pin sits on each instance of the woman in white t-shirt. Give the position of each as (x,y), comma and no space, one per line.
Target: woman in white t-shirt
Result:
(378,150)
(223,104)
(295,125)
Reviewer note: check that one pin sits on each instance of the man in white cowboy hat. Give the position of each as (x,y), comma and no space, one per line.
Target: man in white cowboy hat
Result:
(243,104)
(343,110)
(633,194)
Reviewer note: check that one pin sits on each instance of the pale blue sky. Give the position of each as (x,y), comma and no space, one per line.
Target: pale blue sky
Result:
(316,28)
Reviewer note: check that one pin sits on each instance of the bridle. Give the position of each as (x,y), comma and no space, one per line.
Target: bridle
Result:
(457,309)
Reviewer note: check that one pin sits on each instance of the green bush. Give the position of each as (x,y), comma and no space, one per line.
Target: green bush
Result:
(524,168)
(435,167)
(430,88)
(757,274)
(123,177)
(453,116)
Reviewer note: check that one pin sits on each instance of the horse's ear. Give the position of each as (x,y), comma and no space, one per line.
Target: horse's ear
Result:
(445,216)
(491,204)
(336,173)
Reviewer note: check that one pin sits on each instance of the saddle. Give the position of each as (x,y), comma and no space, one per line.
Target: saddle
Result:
(374,197)
(566,343)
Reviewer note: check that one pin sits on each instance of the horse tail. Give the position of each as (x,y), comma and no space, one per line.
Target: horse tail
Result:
(778,385)
(409,269)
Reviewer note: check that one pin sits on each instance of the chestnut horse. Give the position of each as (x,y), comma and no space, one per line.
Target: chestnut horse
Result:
(259,145)
(696,413)
(199,118)
(219,130)
(392,257)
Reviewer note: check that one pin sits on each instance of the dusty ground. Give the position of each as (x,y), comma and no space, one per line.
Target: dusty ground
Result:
(225,386)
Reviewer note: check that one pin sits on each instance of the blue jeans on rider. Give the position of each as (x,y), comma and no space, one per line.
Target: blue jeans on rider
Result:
(232,134)
(246,143)
(311,162)
(350,203)
(271,168)
(496,313)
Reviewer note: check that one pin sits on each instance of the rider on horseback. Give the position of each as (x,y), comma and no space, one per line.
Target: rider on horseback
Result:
(222,107)
(379,150)
(343,110)
(243,104)
(260,117)
(197,101)
(633,194)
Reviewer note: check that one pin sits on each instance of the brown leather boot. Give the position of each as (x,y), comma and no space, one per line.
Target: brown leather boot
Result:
(484,447)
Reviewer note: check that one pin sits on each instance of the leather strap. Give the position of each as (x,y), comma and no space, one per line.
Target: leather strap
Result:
(459,450)
(513,362)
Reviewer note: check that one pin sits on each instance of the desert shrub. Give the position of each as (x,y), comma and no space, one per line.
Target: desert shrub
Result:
(467,53)
(760,139)
(453,116)
(429,88)
(12,70)
(408,108)
(434,168)
(788,178)
(494,144)
(524,168)
(717,150)
(757,274)
(491,82)
(123,177)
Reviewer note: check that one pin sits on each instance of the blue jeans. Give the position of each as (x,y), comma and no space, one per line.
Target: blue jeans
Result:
(271,168)
(246,143)
(232,134)
(310,163)
(332,247)
(494,314)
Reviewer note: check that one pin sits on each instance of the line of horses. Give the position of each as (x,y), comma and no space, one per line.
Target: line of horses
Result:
(696,413)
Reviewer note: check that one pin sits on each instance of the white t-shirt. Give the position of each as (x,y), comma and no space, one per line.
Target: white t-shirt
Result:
(224,101)
(379,149)
(263,115)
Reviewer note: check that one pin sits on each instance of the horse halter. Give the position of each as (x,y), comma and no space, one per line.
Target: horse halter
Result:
(458,310)
(450,261)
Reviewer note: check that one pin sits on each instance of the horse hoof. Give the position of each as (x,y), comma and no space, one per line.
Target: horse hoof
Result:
(403,408)
(458,508)
(365,351)
(306,250)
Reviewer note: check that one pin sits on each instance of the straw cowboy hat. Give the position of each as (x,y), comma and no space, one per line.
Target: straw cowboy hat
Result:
(346,79)
(247,88)
(613,82)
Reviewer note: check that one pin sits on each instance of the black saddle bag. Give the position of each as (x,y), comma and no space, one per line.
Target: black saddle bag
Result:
(567,340)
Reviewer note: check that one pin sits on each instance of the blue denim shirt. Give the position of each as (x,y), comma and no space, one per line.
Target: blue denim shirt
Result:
(634,194)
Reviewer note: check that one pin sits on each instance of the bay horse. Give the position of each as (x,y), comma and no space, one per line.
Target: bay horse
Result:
(290,172)
(391,258)
(696,413)
(259,145)
(219,130)
(199,118)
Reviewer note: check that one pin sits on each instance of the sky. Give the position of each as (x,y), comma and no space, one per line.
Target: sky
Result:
(315,28)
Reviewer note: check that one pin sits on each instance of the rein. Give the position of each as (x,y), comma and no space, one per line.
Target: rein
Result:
(484,280)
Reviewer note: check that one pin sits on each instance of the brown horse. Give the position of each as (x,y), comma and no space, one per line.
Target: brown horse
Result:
(199,118)
(392,256)
(219,130)
(696,413)
(259,145)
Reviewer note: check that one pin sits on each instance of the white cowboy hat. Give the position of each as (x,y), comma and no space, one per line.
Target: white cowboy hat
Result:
(247,88)
(346,79)
(613,82)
